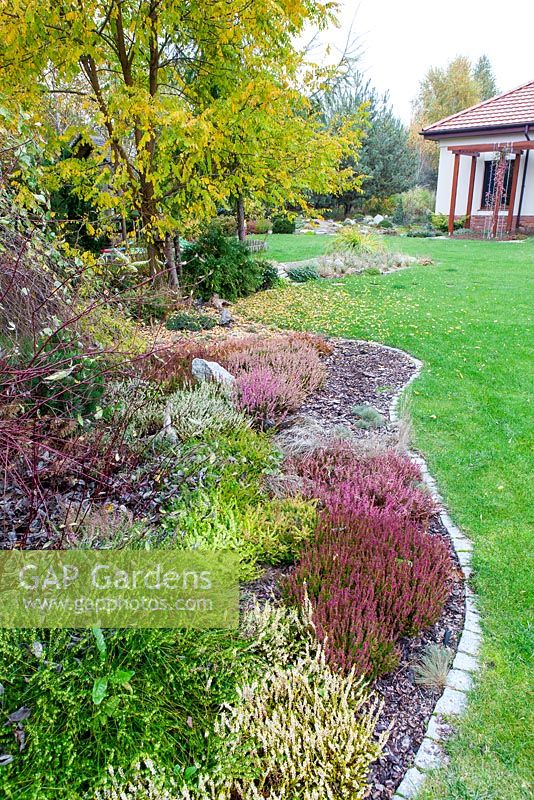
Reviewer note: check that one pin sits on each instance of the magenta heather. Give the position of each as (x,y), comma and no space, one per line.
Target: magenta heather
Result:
(372,572)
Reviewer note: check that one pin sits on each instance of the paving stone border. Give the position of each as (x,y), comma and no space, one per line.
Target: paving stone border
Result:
(454,699)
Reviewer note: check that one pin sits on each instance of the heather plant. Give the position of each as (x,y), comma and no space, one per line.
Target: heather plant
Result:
(372,577)
(270,531)
(200,411)
(302,731)
(273,375)
(342,479)
(171,366)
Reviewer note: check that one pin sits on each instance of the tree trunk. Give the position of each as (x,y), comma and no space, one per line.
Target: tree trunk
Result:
(178,257)
(152,251)
(241,227)
(170,262)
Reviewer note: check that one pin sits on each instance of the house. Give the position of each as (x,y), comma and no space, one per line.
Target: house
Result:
(486,170)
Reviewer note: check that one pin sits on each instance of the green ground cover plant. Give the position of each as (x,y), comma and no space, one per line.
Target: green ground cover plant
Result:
(469,317)
(164,692)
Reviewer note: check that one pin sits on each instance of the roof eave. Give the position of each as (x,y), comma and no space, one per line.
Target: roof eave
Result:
(473,130)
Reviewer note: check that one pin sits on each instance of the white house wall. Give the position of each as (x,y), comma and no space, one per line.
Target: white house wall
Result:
(446,164)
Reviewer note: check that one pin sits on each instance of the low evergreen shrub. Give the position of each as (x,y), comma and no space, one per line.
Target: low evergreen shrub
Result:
(216,264)
(182,321)
(302,274)
(282,224)
(269,273)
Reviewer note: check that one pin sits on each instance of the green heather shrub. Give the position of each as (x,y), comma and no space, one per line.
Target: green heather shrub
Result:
(233,464)
(282,224)
(167,690)
(269,273)
(368,417)
(216,264)
(385,223)
(302,274)
(269,532)
(182,321)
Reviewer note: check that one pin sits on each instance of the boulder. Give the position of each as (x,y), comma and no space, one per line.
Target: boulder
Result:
(210,371)
(378,219)
(225,318)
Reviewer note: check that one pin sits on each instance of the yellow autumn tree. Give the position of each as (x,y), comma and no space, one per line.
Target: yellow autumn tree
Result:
(160,87)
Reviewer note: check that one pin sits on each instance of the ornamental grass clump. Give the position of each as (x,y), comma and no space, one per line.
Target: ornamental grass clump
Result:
(372,577)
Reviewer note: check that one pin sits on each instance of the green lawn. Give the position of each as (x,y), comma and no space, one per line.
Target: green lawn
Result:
(295,247)
(469,317)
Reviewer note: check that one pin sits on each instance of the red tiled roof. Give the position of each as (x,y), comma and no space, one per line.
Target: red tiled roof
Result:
(514,109)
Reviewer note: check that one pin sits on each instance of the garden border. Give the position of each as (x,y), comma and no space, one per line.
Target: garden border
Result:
(454,699)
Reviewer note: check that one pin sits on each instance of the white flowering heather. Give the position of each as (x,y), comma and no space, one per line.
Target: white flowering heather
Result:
(202,410)
(305,733)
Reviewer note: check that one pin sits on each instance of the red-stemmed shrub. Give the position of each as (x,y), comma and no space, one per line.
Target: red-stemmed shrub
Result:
(372,577)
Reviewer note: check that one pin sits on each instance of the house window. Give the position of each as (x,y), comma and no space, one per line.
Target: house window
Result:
(489,184)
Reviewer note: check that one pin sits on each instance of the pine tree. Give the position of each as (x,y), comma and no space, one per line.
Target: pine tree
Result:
(483,75)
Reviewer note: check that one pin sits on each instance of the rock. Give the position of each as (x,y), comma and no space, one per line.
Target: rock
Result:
(210,371)
(225,318)
(377,219)
(219,302)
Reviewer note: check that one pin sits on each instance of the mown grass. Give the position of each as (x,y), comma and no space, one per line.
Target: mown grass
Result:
(469,317)
(294,247)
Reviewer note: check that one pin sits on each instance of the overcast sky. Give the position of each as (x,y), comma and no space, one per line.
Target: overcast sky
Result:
(401,39)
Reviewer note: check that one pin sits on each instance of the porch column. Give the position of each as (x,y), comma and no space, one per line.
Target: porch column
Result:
(470,192)
(513,190)
(454,192)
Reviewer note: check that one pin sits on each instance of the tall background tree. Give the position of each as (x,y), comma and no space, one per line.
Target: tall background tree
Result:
(385,160)
(442,92)
(484,76)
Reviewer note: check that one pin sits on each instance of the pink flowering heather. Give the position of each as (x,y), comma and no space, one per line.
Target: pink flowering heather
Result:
(260,393)
(276,373)
(372,579)
(344,481)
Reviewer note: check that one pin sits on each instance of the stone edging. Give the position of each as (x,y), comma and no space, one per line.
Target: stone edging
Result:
(453,701)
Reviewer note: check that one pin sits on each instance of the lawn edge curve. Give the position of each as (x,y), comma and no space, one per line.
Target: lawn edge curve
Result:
(454,700)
